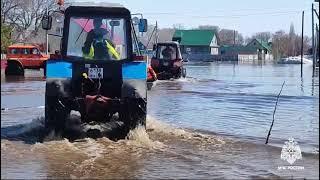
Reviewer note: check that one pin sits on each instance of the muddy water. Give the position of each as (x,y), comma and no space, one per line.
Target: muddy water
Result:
(212,124)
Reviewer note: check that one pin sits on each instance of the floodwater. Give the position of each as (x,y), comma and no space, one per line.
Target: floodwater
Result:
(213,124)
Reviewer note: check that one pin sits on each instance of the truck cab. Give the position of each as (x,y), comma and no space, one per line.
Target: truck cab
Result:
(96,85)
(24,56)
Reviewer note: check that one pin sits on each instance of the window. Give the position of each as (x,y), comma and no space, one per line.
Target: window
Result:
(100,38)
(166,52)
(25,51)
(35,51)
(14,51)
(59,30)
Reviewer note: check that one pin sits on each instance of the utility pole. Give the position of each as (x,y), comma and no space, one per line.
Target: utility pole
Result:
(157,32)
(47,37)
(302,43)
(234,37)
(313,46)
(317,43)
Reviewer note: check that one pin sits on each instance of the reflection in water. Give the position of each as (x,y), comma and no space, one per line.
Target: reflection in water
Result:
(212,124)
(302,85)
(313,85)
(16,79)
(30,75)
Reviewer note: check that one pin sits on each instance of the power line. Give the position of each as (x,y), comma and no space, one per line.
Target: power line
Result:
(183,13)
(224,16)
(224,10)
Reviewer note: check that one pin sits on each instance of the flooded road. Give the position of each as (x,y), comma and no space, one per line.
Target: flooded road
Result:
(213,124)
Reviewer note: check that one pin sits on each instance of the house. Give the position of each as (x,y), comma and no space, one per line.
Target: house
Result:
(264,49)
(238,53)
(254,50)
(203,42)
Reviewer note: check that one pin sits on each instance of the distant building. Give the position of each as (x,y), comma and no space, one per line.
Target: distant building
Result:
(263,49)
(202,42)
(254,50)
(238,52)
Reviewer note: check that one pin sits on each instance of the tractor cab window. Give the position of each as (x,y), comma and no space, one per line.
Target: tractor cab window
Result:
(166,52)
(97,38)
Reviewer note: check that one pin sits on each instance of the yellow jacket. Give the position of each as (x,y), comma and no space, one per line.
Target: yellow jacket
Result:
(111,51)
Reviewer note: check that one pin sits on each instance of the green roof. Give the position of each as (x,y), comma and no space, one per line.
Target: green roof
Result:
(264,44)
(195,37)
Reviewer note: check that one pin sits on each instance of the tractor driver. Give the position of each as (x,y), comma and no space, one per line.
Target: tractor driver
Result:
(97,45)
(167,53)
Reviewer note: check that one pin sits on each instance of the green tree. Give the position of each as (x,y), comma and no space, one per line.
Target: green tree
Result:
(5,36)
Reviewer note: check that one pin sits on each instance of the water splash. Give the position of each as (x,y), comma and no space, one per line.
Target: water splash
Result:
(52,136)
(156,126)
(187,79)
(140,137)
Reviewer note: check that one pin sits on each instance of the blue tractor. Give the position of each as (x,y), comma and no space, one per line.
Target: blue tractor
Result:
(96,84)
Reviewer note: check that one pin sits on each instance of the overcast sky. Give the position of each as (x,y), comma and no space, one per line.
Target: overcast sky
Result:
(246,16)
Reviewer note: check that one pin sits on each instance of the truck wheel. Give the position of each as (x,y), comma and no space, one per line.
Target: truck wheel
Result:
(14,69)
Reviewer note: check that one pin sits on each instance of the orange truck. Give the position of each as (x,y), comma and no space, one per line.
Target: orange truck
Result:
(20,57)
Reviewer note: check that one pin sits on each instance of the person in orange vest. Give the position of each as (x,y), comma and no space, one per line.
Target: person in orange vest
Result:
(152,76)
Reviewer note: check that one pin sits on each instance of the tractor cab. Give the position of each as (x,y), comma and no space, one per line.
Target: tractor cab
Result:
(96,85)
(168,62)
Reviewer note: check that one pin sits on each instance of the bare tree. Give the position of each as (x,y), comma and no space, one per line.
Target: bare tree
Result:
(178,26)
(26,15)
(282,44)
(292,40)
(264,36)
(248,39)
(230,37)
(306,45)
(166,34)
(239,38)
(280,41)
(209,27)
(40,9)
(6,7)
(149,36)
